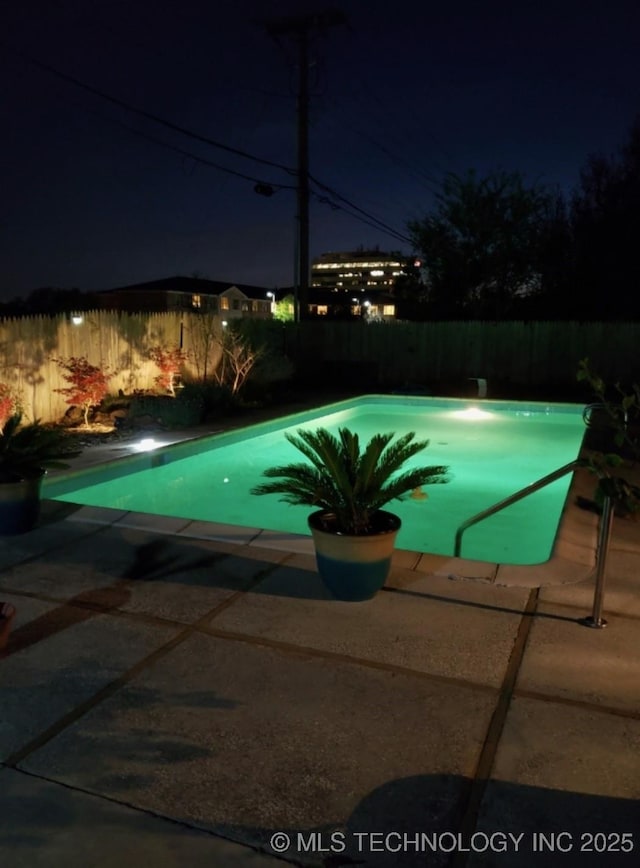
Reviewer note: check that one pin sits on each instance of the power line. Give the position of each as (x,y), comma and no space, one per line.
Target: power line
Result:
(428,181)
(365,90)
(90,22)
(275,186)
(158,120)
(323,200)
(370,219)
(380,224)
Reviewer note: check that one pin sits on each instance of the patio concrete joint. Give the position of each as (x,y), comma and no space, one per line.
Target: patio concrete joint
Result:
(489,749)
(303,651)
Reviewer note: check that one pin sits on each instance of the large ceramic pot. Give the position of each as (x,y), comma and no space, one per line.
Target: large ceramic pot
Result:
(354,567)
(19,505)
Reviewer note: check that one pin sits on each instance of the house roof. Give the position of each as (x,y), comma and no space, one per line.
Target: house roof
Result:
(192,285)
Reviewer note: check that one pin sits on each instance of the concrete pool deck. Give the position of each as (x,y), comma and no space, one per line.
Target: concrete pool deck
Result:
(172,700)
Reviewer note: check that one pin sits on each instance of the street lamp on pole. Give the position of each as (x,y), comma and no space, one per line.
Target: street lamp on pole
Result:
(272,297)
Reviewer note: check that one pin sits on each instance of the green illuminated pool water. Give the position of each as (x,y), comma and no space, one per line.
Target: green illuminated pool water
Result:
(491,453)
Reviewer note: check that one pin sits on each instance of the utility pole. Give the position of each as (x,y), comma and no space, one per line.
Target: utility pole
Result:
(300,27)
(302,281)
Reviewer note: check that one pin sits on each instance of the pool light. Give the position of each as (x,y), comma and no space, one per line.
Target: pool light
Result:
(472,414)
(146,444)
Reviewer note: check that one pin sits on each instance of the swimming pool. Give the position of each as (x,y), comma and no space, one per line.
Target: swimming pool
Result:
(493,448)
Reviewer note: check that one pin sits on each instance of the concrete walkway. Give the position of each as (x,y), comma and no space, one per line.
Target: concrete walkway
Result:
(171,701)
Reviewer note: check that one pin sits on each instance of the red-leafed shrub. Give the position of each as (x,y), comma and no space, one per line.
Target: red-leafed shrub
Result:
(10,404)
(169,361)
(88,383)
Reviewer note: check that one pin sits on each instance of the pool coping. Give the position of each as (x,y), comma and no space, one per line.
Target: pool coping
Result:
(573,557)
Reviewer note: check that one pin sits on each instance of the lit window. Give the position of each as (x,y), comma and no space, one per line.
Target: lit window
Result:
(322,310)
(388,310)
(224,304)
(196,301)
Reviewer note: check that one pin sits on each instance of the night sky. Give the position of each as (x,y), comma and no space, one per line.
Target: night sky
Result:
(93,196)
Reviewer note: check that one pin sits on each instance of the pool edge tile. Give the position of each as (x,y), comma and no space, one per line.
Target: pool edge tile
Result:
(97,515)
(152,522)
(281,541)
(229,533)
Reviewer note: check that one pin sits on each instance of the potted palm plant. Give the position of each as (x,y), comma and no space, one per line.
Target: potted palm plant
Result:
(353,536)
(26,452)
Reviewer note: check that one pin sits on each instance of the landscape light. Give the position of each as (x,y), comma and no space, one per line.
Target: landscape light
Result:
(146,444)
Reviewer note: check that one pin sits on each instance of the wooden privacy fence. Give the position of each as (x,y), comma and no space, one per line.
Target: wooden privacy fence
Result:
(116,342)
(524,353)
(384,354)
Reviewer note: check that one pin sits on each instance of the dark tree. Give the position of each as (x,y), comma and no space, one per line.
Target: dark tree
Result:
(50,300)
(605,216)
(488,247)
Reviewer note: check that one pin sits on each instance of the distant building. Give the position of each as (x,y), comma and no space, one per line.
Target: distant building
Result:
(360,270)
(345,304)
(358,283)
(230,300)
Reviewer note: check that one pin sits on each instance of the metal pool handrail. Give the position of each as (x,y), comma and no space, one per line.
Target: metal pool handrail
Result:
(588,412)
(513,498)
(604,534)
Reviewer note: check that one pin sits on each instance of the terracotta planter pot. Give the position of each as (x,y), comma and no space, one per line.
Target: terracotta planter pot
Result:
(19,505)
(354,567)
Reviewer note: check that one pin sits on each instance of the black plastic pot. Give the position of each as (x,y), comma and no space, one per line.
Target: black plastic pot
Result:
(19,505)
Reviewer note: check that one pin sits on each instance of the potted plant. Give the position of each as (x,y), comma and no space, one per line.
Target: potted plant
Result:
(613,441)
(353,536)
(26,452)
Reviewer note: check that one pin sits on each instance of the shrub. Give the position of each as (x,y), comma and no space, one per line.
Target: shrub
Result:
(237,361)
(10,404)
(180,412)
(88,383)
(212,396)
(617,416)
(170,362)
(27,450)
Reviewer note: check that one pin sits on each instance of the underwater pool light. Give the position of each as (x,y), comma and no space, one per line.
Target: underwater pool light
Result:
(472,414)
